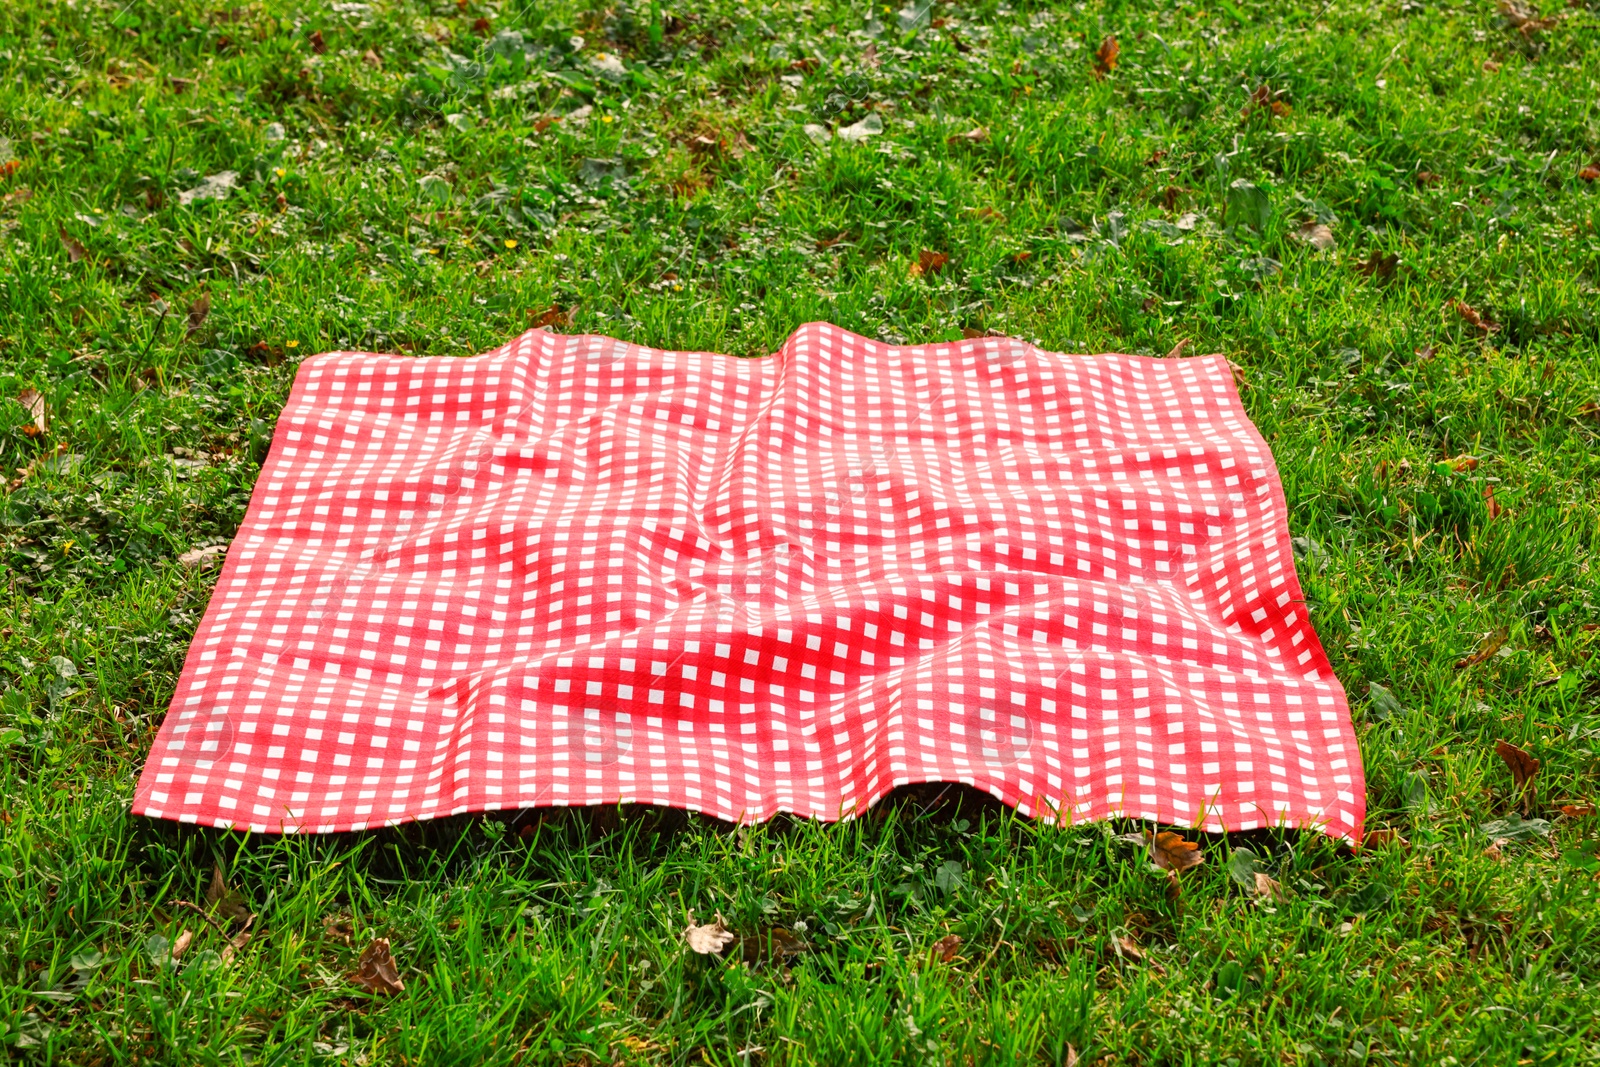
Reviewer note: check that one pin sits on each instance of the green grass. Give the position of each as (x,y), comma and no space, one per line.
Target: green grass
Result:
(691,209)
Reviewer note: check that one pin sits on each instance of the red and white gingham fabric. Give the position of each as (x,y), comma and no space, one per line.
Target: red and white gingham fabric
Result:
(577,571)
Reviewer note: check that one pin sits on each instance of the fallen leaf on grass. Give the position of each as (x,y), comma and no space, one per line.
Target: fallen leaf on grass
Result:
(229,901)
(774,943)
(1425,178)
(214,187)
(318,45)
(1475,318)
(1491,503)
(199,557)
(33,400)
(1171,852)
(1386,837)
(1525,19)
(1264,99)
(1589,173)
(870,126)
(928,262)
(947,948)
(181,945)
(1316,235)
(1267,888)
(238,941)
(1380,266)
(198,310)
(372,59)
(76,253)
(1577,811)
(43,462)
(1127,948)
(1494,643)
(975,135)
(375,971)
(1105,57)
(554,315)
(1523,767)
(710,939)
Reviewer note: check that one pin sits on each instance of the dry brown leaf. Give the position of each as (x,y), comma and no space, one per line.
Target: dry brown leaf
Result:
(1264,99)
(375,971)
(1463,462)
(1493,851)
(928,262)
(318,45)
(1577,811)
(1072,1057)
(947,948)
(1523,767)
(76,253)
(1267,888)
(554,315)
(1426,178)
(773,943)
(199,557)
(238,941)
(976,135)
(1177,349)
(1491,503)
(869,55)
(1485,650)
(1316,235)
(181,945)
(1386,837)
(33,400)
(710,939)
(24,473)
(1475,318)
(1525,19)
(1380,266)
(230,902)
(198,310)
(372,59)
(1589,173)
(1105,57)
(1172,853)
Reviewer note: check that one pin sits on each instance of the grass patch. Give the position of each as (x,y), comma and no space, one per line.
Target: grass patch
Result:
(197,196)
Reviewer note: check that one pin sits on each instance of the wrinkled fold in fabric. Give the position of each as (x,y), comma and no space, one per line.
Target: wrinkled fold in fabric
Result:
(578,571)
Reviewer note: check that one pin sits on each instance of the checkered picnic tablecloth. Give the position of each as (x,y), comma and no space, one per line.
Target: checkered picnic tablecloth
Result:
(578,571)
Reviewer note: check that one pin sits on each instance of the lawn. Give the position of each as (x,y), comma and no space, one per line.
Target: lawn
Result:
(1383,213)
